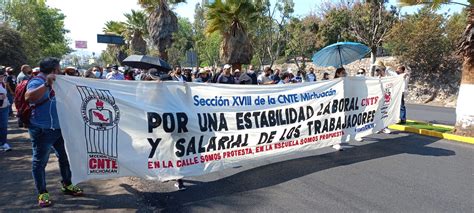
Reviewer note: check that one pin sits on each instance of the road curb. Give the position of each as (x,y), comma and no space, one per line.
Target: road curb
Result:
(431,133)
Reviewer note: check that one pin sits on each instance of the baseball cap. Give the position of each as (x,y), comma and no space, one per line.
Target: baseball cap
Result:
(227,66)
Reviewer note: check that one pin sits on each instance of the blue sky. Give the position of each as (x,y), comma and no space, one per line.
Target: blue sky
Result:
(85,19)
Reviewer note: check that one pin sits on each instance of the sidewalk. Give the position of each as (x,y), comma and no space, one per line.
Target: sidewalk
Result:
(18,191)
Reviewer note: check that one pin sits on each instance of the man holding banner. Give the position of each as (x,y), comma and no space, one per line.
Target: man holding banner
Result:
(45,131)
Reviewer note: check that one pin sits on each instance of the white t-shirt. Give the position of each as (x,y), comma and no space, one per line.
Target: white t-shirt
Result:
(3,96)
(262,79)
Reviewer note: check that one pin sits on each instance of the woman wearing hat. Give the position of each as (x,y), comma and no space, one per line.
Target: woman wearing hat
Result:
(203,76)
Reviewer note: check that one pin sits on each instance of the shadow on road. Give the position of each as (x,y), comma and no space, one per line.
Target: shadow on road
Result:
(280,172)
(18,193)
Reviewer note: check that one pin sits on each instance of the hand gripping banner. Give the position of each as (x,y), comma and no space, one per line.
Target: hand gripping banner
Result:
(170,130)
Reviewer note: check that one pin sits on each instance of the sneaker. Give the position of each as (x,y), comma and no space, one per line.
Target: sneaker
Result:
(337,147)
(402,122)
(386,131)
(6,147)
(43,200)
(180,185)
(72,190)
(359,139)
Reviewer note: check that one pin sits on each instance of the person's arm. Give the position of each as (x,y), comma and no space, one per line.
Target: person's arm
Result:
(33,95)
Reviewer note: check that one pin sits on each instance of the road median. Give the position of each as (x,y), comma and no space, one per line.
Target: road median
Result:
(433,130)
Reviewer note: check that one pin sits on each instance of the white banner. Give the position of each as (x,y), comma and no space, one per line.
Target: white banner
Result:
(171,130)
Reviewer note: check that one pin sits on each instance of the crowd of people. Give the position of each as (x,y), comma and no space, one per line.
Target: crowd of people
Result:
(224,75)
(35,86)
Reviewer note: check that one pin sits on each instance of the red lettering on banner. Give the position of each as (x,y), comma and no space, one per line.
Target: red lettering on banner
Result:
(100,163)
(153,164)
(92,163)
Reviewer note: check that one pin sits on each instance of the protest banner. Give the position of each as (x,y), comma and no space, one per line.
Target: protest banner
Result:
(170,130)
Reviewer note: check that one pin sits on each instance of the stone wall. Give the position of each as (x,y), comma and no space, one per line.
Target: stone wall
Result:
(421,93)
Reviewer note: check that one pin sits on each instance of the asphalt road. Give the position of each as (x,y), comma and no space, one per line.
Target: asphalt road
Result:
(431,114)
(399,172)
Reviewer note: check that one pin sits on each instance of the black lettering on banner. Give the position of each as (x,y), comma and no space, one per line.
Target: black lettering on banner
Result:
(154,121)
(168,121)
(212,144)
(154,145)
(191,147)
(182,122)
(266,138)
(180,147)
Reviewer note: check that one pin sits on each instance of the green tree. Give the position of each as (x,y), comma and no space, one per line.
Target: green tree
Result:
(464,118)
(182,42)
(419,40)
(162,23)
(268,33)
(230,18)
(114,53)
(209,49)
(135,31)
(199,26)
(335,25)
(302,42)
(370,23)
(11,46)
(455,26)
(41,28)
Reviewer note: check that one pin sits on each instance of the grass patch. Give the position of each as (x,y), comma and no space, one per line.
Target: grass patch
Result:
(427,126)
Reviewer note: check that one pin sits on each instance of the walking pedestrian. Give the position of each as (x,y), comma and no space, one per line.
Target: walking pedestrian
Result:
(177,75)
(403,110)
(115,74)
(311,77)
(226,76)
(361,72)
(340,73)
(10,85)
(4,104)
(45,132)
(24,74)
(325,76)
(252,74)
(264,78)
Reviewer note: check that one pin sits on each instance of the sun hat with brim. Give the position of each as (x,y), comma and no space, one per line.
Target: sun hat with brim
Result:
(379,65)
(202,71)
(69,68)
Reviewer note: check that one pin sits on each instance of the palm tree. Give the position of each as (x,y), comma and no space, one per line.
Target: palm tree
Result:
(135,30)
(115,50)
(229,18)
(162,23)
(464,112)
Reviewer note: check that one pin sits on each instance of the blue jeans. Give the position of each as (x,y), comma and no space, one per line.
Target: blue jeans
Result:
(43,140)
(403,110)
(10,99)
(3,125)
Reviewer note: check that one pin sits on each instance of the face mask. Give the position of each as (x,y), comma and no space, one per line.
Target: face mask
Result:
(97,74)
